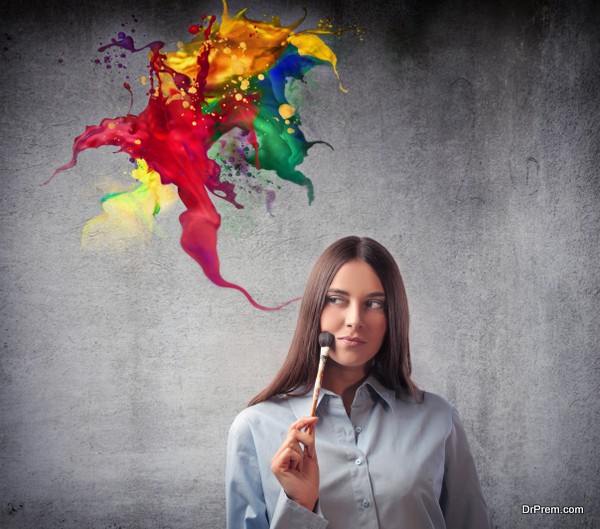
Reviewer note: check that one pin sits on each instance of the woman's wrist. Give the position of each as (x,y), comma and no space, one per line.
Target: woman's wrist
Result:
(307,504)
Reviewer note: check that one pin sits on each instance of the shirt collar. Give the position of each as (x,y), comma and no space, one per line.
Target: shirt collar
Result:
(378,389)
(301,404)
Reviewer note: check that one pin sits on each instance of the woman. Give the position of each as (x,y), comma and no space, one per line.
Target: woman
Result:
(379,453)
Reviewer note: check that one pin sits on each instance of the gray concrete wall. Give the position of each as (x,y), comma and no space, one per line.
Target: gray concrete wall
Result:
(467,144)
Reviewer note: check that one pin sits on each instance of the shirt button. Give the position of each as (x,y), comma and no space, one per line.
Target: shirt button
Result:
(358,429)
(358,461)
(366,503)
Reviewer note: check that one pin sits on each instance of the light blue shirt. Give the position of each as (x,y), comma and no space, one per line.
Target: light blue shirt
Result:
(393,464)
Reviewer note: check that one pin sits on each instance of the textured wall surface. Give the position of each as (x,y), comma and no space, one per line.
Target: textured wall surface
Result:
(467,144)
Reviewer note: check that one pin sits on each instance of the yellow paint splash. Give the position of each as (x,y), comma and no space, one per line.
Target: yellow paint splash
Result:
(286,111)
(239,46)
(128,215)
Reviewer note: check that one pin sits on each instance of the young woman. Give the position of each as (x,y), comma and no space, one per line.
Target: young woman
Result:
(380,453)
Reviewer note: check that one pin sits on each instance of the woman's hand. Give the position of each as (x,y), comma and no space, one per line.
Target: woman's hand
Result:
(295,467)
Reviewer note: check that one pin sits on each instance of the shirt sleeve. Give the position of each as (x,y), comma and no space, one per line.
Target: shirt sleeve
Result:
(462,501)
(291,515)
(244,492)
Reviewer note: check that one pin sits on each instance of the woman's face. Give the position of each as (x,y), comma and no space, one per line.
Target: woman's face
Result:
(355,314)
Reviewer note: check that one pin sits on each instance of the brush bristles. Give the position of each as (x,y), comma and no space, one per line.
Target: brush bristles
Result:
(326,339)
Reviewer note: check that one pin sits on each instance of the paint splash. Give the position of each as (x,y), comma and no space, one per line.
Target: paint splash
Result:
(225,86)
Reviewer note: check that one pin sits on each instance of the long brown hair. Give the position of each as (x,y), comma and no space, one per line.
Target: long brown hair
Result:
(298,372)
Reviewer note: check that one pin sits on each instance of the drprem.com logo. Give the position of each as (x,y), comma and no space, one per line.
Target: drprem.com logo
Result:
(542,509)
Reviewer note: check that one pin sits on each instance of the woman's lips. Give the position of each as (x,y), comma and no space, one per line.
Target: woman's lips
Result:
(351,341)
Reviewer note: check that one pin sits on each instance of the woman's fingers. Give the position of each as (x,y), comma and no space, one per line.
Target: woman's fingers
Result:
(303,425)
(289,456)
(290,444)
(295,464)
(287,460)
(296,435)
(298,443)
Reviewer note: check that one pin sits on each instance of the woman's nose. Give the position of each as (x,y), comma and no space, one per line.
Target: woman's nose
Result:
(353,316)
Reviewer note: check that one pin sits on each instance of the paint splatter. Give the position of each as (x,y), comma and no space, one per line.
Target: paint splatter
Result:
(223,92)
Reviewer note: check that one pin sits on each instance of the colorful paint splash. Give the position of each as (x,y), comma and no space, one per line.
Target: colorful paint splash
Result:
(225,86)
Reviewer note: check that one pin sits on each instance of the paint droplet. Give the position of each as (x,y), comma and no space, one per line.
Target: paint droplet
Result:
(193,29)
(290,130)
(286,111)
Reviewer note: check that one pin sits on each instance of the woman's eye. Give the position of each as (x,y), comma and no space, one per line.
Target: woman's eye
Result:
(375,304)
(335,300)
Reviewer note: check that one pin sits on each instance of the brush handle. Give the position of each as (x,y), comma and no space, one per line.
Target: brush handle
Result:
(319,380)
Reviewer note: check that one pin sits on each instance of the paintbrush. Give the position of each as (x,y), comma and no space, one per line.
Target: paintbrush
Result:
(326,340)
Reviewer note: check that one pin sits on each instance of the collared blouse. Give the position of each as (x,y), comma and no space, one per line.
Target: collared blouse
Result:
(392,464)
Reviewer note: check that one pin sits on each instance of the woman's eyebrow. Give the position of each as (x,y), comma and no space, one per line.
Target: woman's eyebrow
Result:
(370,295)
